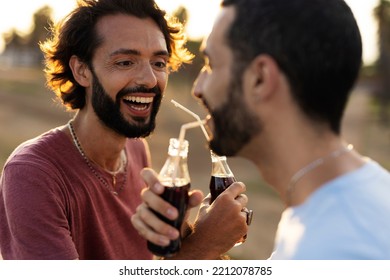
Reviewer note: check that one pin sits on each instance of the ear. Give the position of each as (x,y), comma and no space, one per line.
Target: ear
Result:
(263,77)
(80,71)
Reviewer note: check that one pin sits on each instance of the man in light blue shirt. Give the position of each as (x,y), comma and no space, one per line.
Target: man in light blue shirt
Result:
(276,81)
(346,218)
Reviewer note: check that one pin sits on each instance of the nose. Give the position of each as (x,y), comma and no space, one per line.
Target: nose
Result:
(197,89)
(146,76)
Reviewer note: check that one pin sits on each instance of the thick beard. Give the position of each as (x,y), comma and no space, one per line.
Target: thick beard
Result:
(234,125)
(108,110)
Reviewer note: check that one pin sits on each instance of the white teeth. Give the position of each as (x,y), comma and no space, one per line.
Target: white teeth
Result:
(139,108)
(139,99)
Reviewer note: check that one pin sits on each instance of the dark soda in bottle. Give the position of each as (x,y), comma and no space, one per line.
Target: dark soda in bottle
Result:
(218,184)
(175,177)
(221,175)
(221,178)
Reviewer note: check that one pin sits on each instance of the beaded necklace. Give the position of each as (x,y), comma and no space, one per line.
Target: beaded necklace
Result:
(93,170)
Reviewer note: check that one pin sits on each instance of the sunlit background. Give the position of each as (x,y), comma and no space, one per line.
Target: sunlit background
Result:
(27,108)
(18,15)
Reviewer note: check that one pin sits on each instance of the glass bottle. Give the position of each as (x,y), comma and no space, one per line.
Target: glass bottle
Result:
(175,177)
(221,175)
(221,178)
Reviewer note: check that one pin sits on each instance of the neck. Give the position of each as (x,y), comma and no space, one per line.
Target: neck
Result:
(279,160)
(319,163)
(100,144)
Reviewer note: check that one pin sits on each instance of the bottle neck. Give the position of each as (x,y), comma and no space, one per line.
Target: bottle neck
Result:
(219,166)
(178,148)
(175,170)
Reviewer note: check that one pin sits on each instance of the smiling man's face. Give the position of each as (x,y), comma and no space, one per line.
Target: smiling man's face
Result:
(130,73)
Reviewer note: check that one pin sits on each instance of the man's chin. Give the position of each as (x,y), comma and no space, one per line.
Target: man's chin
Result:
(224,148)
(139,132)
(216,147)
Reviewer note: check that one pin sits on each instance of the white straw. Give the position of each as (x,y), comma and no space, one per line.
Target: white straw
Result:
(186,126)
(200,123)
(177,104)
(182,133)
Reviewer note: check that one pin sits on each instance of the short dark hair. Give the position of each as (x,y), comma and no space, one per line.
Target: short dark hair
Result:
(76,35)
(316,43)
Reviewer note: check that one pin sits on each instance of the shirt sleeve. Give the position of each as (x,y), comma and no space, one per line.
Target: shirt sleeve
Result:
(34,215)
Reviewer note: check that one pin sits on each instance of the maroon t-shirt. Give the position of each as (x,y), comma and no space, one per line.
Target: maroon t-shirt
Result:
(52,206)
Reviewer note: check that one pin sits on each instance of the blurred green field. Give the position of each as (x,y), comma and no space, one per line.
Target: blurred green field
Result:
(27,109)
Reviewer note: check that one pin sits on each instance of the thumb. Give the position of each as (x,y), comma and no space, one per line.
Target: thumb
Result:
(195,198)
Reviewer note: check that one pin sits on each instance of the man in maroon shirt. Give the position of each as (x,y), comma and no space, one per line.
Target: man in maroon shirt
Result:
(70,193)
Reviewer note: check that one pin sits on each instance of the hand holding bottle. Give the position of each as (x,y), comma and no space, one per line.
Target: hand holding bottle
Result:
(222,222)
(222,178)
(214,220)
(147,223)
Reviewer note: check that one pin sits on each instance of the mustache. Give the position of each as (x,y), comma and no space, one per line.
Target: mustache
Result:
(205,104)
(143,89)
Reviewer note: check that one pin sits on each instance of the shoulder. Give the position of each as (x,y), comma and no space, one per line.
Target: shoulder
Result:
(346,218)
(43,150)
(138,149)
(32,170)
(137,146)
(52,138)
(371,169)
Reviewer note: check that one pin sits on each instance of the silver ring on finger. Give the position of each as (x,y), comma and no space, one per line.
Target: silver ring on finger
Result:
(249,215)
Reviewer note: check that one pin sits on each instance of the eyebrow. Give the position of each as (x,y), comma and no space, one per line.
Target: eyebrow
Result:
(136,52)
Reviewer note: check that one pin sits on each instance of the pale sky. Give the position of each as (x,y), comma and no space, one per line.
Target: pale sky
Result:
(18,14)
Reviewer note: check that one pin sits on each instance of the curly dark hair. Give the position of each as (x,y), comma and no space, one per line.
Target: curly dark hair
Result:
(76,35)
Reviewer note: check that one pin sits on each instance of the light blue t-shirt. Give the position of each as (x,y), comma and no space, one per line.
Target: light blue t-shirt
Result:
(347,218)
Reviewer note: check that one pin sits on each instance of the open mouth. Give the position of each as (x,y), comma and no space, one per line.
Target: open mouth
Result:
(138,105)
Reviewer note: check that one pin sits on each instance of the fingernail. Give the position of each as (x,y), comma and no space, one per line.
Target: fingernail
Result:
(158,187)
(163,241)
(173,234)
(171,213)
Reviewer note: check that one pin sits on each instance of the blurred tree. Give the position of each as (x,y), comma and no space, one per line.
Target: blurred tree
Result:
(42,21)
(191,71)
(182,14)
(24,49)
(382,14)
